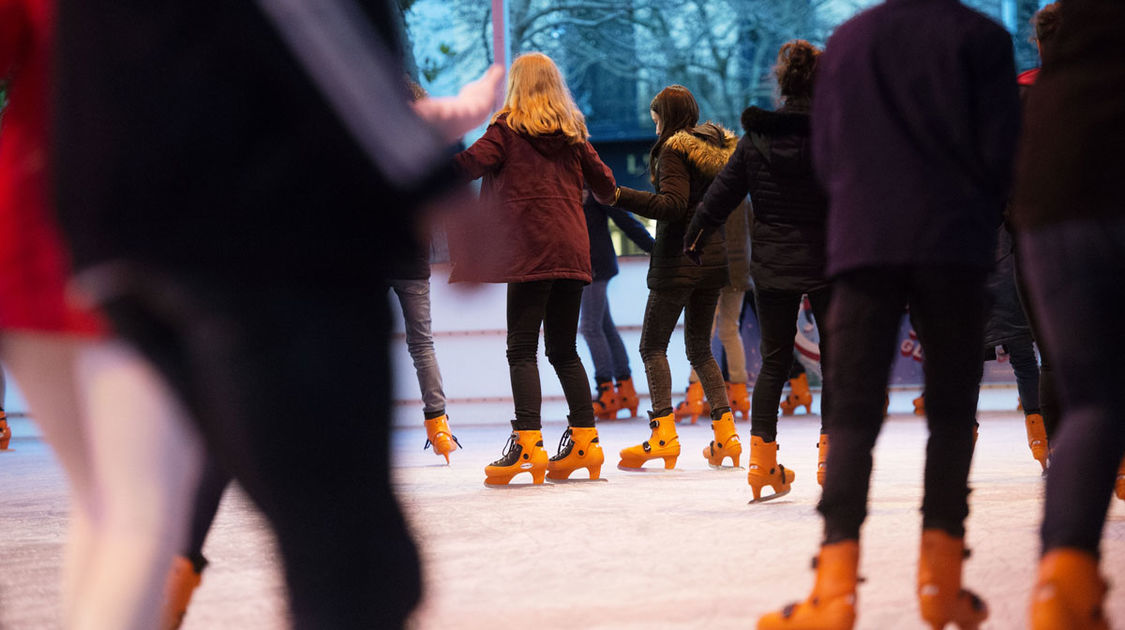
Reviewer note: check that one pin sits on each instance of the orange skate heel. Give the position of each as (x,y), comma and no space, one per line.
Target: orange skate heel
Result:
(1068,592)
(664,443)
(726,443)
(627,396)
(1037,438)
(439,436)
(523,453)
(5,431)
(821,458)
(578,448)
(607,402)
(738,399)
(693,405)
(179,586)
(765,471)
(799,396)
(920,405)
(1119,487)
(831,605)
(940,596)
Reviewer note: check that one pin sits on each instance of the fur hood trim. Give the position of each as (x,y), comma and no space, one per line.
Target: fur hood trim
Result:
(707,147)
(765,121)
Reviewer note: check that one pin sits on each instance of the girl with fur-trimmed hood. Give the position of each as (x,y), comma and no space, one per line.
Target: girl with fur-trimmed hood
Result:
(684,160)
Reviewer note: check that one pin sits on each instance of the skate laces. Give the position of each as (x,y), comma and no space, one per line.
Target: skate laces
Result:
(511,451)
(565,442)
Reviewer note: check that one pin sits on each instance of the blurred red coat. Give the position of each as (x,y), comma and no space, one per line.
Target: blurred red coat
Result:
(33,262)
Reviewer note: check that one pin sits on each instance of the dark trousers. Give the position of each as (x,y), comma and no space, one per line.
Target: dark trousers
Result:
(291,389)
(1075,285)
(947,306)
(611,361)
(661,314)
(552,305)
(1021,354)
(777,316)
(1048,395)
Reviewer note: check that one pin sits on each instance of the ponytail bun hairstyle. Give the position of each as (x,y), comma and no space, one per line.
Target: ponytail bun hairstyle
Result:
(796,69)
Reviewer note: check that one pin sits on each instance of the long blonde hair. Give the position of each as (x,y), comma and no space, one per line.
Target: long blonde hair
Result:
(538,102)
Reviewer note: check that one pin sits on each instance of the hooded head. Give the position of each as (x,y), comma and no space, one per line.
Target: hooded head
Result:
(538,102)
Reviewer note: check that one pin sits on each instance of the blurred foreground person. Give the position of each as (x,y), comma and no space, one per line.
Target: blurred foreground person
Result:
(233,181)
(1070,215)
(914,121)
(119,434)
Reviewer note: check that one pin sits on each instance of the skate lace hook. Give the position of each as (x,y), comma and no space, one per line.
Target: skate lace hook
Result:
(563,440)
(510,445)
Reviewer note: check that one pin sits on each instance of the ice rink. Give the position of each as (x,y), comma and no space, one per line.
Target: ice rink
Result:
(679,549)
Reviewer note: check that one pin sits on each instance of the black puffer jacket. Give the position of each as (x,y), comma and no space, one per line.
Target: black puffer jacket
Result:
(773,164)
(687,163)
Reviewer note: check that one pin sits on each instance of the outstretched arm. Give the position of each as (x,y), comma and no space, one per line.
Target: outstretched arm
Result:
(486,154)
(675,189)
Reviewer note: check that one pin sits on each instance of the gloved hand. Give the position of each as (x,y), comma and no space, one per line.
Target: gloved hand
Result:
(695,239)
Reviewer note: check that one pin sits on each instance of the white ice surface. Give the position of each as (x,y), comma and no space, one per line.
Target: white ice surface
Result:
(639,551)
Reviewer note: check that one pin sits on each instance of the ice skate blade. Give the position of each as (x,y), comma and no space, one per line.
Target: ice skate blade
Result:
(768,498)
(639,469)
(722,467)
(514,486)
(563,482)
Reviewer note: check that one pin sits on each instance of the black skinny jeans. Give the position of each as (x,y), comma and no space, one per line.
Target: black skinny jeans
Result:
(777,317)
(947,306)
(661,314)
(552,305)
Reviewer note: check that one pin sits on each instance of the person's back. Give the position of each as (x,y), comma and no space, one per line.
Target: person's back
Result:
(913,134)
(914,126)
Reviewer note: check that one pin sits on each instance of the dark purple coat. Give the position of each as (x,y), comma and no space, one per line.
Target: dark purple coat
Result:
(914,124)
(534,227)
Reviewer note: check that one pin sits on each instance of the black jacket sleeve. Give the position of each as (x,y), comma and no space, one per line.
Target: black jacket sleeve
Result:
(729,188)
(671,203)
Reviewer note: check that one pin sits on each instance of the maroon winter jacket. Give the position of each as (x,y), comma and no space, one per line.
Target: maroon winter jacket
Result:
(533,226)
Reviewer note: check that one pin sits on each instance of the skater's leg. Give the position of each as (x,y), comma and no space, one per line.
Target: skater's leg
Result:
(43,367)
(726,323)
(591,324)
(1076,290)
(699,317)
(621,370)
(863,321)
(560,328)
(819,300)
(1021,354)
(414,298)
(948,307)
(661,314)
(527,307)
(777,316)
(144,485)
